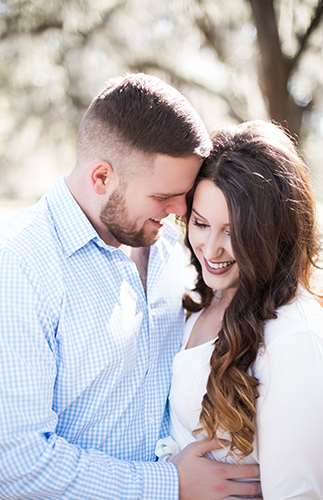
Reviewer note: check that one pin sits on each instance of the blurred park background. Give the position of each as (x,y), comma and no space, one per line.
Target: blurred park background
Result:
(235,60)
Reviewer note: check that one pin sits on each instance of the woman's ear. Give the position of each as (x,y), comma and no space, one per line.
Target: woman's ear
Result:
(101,176)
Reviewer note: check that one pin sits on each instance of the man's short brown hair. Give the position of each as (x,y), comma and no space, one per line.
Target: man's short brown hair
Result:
(145,113)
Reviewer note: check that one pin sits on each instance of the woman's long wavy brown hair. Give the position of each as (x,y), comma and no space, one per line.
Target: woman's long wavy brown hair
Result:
(275,243)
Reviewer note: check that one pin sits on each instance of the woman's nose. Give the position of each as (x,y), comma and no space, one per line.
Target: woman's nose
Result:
(213,249)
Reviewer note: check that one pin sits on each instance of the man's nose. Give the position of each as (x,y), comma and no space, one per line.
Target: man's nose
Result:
(177,207)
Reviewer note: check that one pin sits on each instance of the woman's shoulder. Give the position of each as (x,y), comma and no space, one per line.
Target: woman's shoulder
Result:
(295,336)
(302,315)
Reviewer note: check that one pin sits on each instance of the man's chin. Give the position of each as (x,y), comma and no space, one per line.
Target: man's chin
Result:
(149,240)
(139,239)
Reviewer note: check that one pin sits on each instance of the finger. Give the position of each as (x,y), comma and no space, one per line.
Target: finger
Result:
(206,445)
(243,496)
(235,471)
(243,489)
(240,497)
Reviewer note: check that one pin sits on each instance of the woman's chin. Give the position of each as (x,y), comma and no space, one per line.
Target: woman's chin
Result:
(220,283)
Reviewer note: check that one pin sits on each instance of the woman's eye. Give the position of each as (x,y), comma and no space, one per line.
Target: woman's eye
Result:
(227,232)
(201,225)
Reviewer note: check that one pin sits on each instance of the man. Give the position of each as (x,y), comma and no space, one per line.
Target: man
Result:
(88,330)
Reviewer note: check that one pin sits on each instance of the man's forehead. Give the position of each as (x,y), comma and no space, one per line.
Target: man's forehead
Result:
(167,176)
(171,185)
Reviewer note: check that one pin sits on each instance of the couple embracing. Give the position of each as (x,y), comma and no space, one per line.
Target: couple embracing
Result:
(116,382)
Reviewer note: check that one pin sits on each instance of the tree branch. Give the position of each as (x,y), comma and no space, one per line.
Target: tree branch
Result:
(104,19)
(46,25)
(273,64)
(303,40)
(181,81)
(209,30)
(12,28)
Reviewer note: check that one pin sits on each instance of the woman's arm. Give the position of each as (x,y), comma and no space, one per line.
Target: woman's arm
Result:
(290,418)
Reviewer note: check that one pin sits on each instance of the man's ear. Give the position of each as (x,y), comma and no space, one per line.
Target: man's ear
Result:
(101,177)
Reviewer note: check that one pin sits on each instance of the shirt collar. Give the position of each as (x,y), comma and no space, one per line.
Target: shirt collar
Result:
(71,224)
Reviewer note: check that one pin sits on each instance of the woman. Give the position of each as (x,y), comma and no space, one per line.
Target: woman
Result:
(250,370)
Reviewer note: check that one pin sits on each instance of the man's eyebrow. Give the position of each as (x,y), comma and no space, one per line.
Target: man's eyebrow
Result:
(168,195)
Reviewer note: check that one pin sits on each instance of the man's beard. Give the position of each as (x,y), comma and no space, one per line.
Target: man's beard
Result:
(116,218)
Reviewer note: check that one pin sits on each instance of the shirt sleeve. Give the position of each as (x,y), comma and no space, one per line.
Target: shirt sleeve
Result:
(290,418)
(35,462)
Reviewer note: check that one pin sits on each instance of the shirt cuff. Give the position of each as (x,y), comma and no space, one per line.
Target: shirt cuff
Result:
(166,448)
(160,481)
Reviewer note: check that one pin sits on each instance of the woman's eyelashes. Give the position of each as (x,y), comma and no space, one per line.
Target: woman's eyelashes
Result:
(201,225)
(204,225)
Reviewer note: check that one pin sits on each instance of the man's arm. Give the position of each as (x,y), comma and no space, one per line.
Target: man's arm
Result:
(34,460)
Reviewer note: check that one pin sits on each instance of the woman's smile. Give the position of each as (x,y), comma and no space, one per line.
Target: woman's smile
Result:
(218,267)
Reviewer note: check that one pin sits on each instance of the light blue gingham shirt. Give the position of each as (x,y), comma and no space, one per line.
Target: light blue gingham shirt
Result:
(85,359)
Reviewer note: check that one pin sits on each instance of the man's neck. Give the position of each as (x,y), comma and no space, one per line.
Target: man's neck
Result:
(140,257)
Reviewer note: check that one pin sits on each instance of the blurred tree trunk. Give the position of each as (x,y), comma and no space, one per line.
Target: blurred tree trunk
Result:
(275,68)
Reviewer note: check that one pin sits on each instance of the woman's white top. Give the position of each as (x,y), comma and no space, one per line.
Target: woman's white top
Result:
(289,437)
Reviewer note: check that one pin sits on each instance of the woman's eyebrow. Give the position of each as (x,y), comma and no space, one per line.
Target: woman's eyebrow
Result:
(199,215)
(227,224)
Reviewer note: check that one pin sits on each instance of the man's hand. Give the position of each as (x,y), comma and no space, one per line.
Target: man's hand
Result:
(203,479)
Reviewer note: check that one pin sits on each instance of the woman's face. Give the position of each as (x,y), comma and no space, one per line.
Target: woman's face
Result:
(209,236)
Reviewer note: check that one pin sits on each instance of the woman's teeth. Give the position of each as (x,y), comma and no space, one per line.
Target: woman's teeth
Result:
(220,265)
